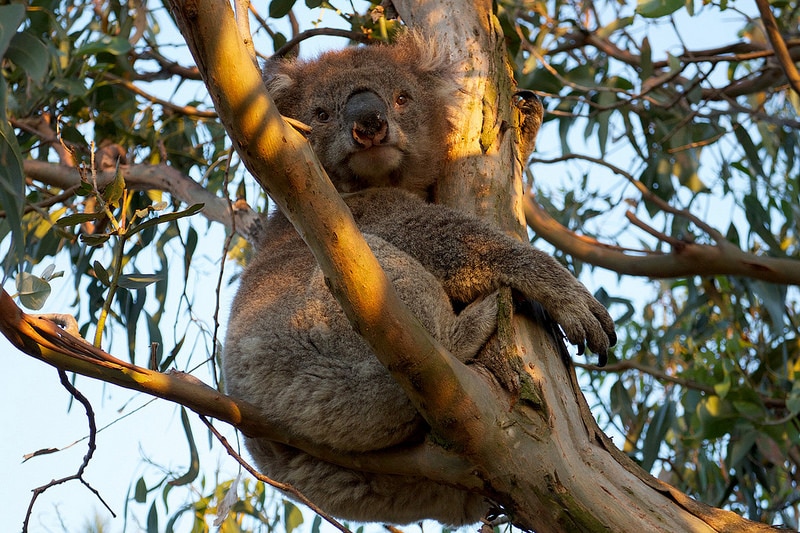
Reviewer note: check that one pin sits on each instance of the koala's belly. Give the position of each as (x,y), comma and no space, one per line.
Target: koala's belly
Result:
(293,353)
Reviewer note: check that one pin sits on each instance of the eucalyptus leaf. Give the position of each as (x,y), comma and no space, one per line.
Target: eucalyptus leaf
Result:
(32,290)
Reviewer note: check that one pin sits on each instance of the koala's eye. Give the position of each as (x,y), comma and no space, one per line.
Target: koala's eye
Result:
(402,100)
(322,115)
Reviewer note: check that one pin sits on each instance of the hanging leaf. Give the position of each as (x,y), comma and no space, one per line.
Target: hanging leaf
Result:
(292,517)
(280,8)
(138,281)
(32,290)
(30,54)
(658,8)
(194,458)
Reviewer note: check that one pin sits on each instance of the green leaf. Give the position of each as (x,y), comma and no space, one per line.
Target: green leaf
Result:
(12,179)
(605,99)
(773,297)
(191,210)
(750,409)
(793,401)
(96,239)
(194,458)
(78,218)
(315,525)
(749,148)
(113,191)
(113,45)
(279,9)
(659,425)
(101,273)
(138,281)
(32,290)
(617,24)
(717,417)
(152,519)
(759,220)
(647,60)
(31,54)
(292,517)
(741,447)
(10,18)
(658,8)
(140,492)
(723,387)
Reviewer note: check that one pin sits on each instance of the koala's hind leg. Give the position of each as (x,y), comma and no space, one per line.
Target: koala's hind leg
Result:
(472,327)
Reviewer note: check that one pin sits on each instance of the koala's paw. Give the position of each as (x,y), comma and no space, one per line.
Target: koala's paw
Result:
(584,320)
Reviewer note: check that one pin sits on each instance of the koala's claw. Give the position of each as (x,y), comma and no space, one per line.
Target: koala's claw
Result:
(592,327)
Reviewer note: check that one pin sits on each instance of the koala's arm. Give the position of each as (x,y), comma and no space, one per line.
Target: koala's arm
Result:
(471,259)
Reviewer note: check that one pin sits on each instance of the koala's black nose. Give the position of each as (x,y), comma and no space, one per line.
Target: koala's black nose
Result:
(367,113)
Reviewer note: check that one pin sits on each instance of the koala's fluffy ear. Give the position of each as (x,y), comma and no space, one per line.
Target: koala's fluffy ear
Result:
(433,62)
(426,54)
(279,76)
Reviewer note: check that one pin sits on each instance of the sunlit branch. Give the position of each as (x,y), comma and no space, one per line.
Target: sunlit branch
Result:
(44,340)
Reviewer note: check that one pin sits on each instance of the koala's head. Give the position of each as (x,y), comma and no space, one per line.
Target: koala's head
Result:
(379,115)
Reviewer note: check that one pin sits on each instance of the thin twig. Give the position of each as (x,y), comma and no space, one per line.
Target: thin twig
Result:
(91,447)
(188,110)
(333,32)
(269,481)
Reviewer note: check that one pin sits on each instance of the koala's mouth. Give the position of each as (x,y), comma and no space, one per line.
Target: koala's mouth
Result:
(376,163)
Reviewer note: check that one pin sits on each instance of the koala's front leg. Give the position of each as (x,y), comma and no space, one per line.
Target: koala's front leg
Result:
(491,259)
(472,259)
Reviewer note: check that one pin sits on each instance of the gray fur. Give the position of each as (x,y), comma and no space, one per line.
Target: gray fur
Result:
(291,351)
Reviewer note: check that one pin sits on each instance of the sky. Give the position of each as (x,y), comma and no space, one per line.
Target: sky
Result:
(138,431)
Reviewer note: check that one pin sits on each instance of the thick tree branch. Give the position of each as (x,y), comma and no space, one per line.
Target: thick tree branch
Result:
(687,258)
(282,161)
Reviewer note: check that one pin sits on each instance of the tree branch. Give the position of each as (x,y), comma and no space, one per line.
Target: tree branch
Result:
(357,36)
(160,177)
(687,258)
(283,163)
(44,340)
(691,259)
(778,45)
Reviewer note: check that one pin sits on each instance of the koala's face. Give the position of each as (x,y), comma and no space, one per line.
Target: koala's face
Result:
(379,115)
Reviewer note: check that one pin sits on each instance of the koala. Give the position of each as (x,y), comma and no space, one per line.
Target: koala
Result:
(379,120)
